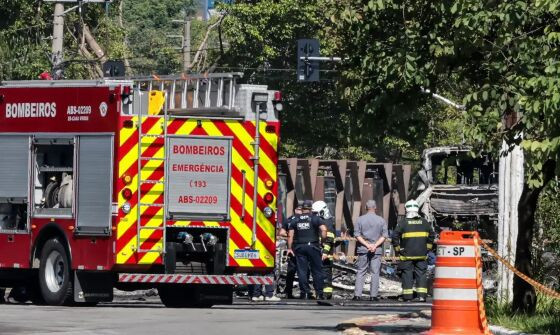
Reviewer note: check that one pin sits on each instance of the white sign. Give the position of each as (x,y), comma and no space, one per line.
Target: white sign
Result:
(246,254)
(198,177)
(456,251)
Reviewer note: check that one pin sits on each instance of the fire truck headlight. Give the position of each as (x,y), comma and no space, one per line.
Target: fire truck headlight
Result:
(268,212)
(126,208)
(210,239)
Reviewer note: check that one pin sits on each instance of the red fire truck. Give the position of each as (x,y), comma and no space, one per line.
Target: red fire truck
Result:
(166,182)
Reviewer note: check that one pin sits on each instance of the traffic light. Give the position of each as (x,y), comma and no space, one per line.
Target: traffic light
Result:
(307,69)
(113,68)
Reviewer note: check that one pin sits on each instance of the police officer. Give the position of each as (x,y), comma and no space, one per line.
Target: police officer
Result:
(321,209)
(303,241)
(292,265)
(412,239)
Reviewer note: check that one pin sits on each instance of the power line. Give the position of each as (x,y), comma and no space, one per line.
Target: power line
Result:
(43,25)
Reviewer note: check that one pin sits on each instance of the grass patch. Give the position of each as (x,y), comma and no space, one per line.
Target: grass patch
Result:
(545,320)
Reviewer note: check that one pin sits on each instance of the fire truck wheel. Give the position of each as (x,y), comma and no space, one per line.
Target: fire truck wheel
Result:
(54,274)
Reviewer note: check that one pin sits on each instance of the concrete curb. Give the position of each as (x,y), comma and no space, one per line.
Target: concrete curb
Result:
(497,330)
(378,324)
(388,323)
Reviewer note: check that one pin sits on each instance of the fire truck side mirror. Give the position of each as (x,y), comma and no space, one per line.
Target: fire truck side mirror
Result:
(260,99)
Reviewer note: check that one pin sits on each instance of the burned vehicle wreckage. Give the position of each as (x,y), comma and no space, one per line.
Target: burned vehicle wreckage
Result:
(457,191)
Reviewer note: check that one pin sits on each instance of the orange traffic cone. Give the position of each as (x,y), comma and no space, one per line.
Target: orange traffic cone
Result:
(458,306)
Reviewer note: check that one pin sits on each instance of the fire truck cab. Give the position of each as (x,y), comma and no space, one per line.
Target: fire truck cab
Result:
(166,182)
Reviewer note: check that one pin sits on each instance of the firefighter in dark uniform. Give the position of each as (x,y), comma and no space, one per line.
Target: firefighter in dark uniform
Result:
(412,239)
(292,265)
(303,241)
(321,209)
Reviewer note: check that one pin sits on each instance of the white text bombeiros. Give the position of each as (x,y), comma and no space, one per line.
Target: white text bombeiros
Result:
(31,110)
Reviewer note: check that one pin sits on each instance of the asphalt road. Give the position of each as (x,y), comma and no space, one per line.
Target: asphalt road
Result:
(150,317)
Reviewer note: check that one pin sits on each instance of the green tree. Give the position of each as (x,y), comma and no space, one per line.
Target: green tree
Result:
(502,53)
(261,38)
(22,44)
(149,24)
(547,237)
(25,38)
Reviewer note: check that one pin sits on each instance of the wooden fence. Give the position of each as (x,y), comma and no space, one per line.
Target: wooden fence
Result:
(345,186)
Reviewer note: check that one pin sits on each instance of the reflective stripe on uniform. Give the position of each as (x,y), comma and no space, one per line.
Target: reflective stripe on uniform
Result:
(415,234)
(397,248)
(407,291)
(414,221)
(326,247)
(328,289)
(468,294)
(422,290)
(429,246)
(455,272)
(330,234)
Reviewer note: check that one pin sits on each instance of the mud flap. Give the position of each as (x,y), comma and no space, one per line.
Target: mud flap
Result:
(92,286)
(214,294)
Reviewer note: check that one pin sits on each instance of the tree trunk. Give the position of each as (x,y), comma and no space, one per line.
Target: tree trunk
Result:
(524,295)
(92,43)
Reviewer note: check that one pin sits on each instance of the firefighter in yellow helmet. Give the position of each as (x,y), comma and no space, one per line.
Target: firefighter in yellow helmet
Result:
(412,239)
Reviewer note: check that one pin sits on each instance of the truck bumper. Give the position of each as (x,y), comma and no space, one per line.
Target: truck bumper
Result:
(194,279)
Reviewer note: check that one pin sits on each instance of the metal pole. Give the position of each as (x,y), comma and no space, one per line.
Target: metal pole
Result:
(256,172)
(58,34)
(443,99)
(324,59)
(187,45)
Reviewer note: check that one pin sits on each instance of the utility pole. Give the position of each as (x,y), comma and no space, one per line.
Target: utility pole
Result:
(187,45)
(58,30)
(58,34)
(186,41)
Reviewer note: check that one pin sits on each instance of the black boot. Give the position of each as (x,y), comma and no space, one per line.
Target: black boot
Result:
(305,296)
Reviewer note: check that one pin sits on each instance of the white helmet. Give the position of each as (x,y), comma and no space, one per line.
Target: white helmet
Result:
(320,207)
(412,209)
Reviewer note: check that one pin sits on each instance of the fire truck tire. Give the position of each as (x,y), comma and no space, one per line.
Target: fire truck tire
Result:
(51,194)
(55,280)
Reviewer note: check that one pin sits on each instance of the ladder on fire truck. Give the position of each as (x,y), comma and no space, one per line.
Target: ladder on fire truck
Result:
(142,181)
(211,95)
(195,93)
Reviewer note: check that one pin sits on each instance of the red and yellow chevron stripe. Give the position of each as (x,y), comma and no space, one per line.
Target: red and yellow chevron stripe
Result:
(240,230)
